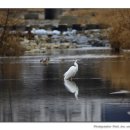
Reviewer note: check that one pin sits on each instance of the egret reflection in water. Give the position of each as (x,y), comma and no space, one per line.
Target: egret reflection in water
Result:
(72,87)
(121,92)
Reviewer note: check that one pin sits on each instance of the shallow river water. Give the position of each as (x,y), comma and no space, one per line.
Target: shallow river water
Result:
(34,92)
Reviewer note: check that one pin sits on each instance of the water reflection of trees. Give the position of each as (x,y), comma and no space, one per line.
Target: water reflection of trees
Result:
(10,78)
(117,71)
(10,71)
(9,89)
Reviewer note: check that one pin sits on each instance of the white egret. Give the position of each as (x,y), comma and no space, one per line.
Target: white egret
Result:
(72,87)
(72,71)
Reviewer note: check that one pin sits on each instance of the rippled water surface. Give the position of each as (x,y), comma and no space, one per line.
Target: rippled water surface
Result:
(33,92)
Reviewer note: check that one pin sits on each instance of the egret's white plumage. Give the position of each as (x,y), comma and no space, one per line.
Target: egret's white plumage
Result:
(72,87)
(72,71)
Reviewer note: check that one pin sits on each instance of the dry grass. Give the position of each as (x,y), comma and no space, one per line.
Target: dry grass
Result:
(11,46)
(91,16)
(120,32)
(117,19)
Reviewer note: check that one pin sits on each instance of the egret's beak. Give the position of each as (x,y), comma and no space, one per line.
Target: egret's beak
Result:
(76,60)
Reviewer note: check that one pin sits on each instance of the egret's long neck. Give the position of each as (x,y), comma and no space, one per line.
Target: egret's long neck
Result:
(76,65)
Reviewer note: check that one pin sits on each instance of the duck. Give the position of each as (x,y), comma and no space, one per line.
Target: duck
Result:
(45,61)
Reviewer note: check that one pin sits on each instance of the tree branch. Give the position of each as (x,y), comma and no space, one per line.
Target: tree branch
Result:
(4,29)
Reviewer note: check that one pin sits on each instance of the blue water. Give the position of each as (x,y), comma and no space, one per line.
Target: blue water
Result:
(116,112)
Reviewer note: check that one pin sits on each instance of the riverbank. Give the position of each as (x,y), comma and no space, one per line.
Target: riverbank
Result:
(41,43)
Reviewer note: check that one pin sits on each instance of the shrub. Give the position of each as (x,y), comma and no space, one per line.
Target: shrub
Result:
(11,46)
(9,43)
(117,19)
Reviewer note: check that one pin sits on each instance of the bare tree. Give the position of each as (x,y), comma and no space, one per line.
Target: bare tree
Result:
(4,29)
(9,43)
